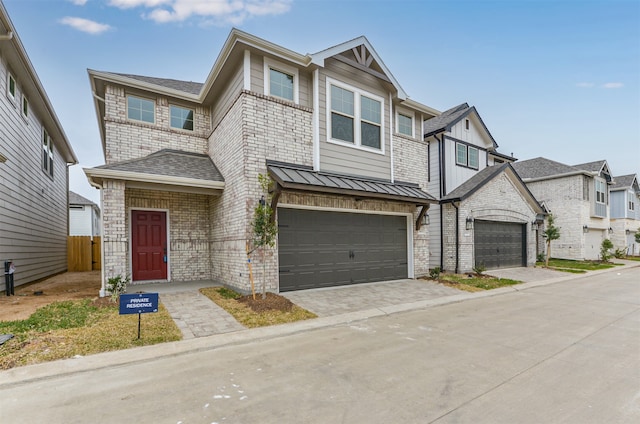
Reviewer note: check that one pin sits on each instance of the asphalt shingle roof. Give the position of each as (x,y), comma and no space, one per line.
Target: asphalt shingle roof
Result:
(440,122)
(475,182)
(174,163)
(624,181)
(76,199)
(541,167)
(595,166)
(186,86)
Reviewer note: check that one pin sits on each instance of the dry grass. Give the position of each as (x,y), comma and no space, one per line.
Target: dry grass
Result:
(47,336)
(228,300)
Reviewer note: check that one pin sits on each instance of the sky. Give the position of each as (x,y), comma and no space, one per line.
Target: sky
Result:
(558,79)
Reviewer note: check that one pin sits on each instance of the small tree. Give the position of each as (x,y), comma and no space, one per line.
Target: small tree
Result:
(605,248)
(550,233)
(264,227)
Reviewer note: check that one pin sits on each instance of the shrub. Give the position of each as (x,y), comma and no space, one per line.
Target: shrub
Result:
(605,248)
(540,257)
(117,285)
(620,253)
(479,268)
(434,273)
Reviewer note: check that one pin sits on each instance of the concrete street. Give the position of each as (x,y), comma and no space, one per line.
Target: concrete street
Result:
(567,352)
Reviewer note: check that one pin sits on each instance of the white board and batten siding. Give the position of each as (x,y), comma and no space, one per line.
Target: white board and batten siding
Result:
(33,206)
(345,159)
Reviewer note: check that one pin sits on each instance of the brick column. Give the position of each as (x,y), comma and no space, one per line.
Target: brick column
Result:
(114,232)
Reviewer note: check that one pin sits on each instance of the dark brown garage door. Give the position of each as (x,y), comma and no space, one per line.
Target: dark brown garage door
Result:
(500,244)
(323,249)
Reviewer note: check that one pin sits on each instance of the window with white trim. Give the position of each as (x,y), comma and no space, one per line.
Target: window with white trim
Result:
(47,153)
(600,191)
(632,205)
(280,80)
(11,87)
(467,156)
(139,109)
(405,124)
(25,107)
(354,116)
(181,118)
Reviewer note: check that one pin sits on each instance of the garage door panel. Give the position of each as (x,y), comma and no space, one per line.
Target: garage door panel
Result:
(499,244)
(322,249)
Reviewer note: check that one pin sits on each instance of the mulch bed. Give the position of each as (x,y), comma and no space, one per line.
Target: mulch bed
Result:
(273,302)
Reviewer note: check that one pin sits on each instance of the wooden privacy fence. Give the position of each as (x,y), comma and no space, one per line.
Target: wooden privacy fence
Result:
(83,253)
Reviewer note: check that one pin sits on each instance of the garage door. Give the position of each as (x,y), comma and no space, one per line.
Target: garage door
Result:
(499,244)
(323,249)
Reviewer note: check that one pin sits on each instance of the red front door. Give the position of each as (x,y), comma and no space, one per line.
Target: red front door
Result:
(149,245)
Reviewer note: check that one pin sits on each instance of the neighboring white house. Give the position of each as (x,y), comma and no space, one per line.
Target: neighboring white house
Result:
(34,179)
(578,198)
(84,216)
(625,213)
(486,217)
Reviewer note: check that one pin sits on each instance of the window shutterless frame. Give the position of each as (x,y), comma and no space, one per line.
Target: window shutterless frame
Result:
(355,117)
(47,153)
(11,88)
(141,109)
(404,124)
(181,117)
(281,80)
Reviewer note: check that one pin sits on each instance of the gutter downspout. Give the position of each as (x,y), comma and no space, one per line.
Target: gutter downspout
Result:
(457,236)
(7,36)
(442,177)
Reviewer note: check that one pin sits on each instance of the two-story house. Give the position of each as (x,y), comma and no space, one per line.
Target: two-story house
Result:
(486,216)
(625,213)
(578,198)
(84,216)
(334,130)
(34,158)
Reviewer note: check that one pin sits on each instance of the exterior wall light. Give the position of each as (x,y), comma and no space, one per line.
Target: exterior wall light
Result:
(469,223)
(585,228)
(425,219)
(610,230)
(627,231)
(534,225)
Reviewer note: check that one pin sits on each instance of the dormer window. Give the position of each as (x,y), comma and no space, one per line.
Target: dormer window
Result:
(280,80)
(354,116)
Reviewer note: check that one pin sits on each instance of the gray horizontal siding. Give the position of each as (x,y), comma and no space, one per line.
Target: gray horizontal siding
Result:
(229,94)
(344,159)
(33,207)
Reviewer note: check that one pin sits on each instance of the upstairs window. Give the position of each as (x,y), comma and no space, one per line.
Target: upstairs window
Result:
(280,80)
(354,116)
(47,153)
(25,107)
(181,118)
(11,88)
(632,205)
(467,156)
(139,109)
(600,191)
(405,124)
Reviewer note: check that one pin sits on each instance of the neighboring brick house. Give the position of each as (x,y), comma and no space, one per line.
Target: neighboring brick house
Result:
(334,130)
(625,213)
(489,217)
(34,158)
(84,216)
(578,198)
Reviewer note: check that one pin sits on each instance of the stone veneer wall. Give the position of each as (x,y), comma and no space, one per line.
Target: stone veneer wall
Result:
(500,194)
(189,229)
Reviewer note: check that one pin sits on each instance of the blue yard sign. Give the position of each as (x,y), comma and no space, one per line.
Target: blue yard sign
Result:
(138,303)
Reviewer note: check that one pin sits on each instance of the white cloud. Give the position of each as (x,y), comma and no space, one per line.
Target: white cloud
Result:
(79,2)
(230,11)
(613,85)
(85,25)
(585,84)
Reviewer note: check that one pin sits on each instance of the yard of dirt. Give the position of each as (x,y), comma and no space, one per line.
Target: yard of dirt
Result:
(66,286)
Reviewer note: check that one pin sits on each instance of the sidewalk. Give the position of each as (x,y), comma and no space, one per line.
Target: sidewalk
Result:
(357,312)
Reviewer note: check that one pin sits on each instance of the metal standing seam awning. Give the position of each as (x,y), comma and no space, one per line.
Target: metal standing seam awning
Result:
(293,177)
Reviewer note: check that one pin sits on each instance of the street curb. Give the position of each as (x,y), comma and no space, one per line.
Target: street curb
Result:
(66,367)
